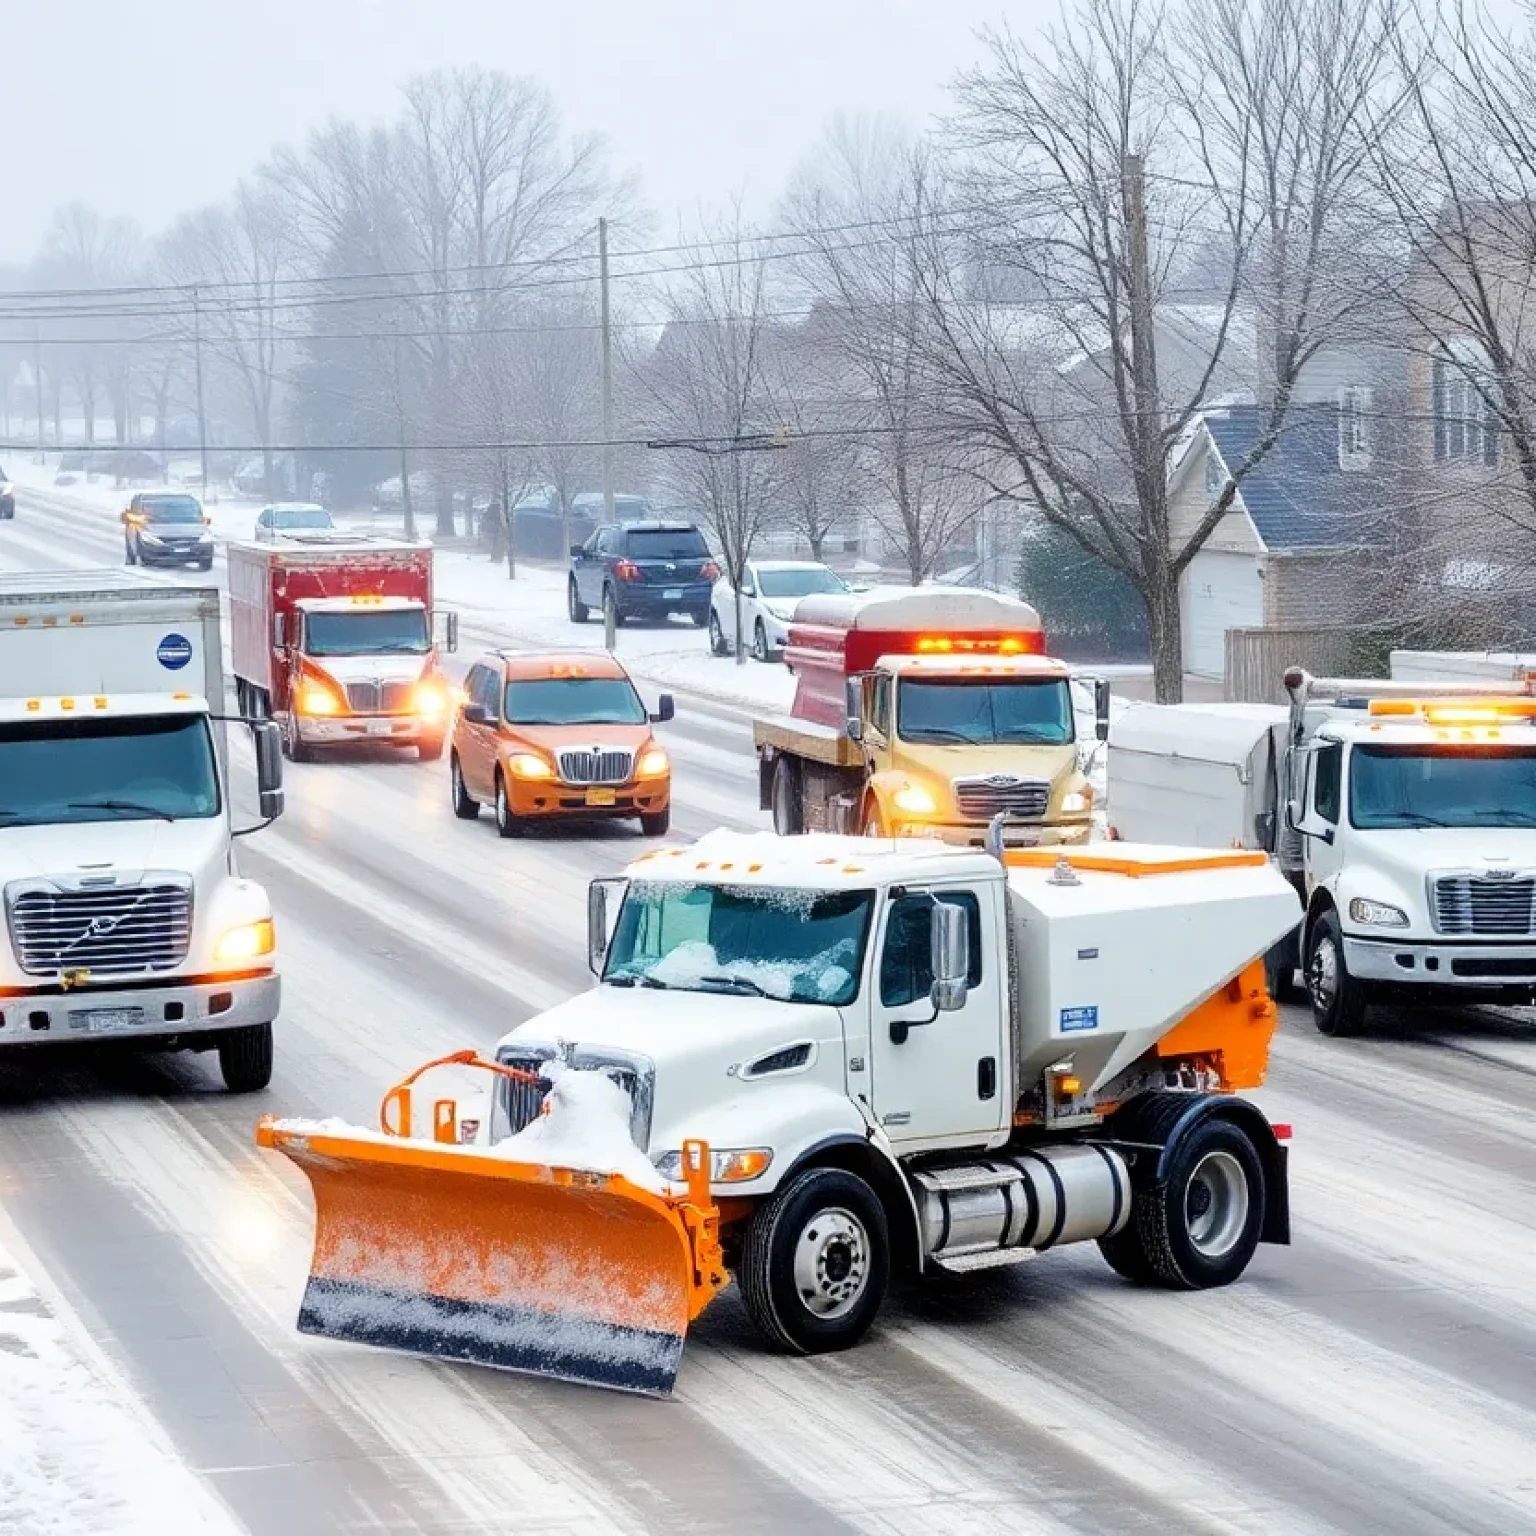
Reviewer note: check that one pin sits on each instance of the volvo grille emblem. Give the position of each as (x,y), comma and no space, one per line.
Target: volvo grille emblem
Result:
(1002,781)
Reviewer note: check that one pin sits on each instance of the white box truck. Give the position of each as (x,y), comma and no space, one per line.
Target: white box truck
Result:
(126,917)
(1403,812)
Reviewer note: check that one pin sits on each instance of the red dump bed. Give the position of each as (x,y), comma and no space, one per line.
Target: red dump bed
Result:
(268,579)
(837,635)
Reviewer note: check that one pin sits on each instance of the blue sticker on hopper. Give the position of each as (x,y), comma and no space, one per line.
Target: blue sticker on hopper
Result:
(1079,1018)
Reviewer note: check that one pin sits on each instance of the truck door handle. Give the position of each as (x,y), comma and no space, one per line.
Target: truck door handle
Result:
(986,1077)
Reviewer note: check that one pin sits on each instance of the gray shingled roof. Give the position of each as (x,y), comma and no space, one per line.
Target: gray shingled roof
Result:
(1298,496)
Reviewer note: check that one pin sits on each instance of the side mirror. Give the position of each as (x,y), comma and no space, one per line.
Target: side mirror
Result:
(853,709)
(475,714)
(951,939)
(748,590)
(601,912)
(268,741)
(1101,708)
(666,708)
(279,631)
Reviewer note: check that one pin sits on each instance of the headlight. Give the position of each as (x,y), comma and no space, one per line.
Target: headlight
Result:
(245,942)
(317,699)
(653,764)
(914,800)
(524,765)
(1077,802)
(430,699)
(1377,914)
(732,1165)
(150,538)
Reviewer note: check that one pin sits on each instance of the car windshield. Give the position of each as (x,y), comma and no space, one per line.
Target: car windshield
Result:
(365,632)
(1397,787)
(171,509)
(573,701)
(799,583)
(798,946)
(666,544)
(309,517)
(979,711)
(105,769)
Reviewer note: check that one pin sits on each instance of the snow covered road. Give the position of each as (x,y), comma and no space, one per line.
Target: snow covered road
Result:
(1378,1376)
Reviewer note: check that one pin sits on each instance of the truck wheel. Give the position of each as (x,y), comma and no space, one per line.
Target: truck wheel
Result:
(760,650)
(294,748)
(574,606)
(815,1263)
(430,750)
(1338,1000)
(507,823)
(657,823)
(245,1058)
(1199,1228)
(717,645)
(788,808)
(1280,973)
(463,807)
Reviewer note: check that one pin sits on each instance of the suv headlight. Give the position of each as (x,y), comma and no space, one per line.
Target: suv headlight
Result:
(728,1165)
(1377,914)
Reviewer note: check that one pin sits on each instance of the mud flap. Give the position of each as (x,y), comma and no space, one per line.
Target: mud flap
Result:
(456,1253)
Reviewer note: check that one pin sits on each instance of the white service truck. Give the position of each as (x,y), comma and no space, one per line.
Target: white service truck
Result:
(126,916)
(1404,813)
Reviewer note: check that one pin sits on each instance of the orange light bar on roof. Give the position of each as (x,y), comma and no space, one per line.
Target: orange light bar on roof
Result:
(1490,711)
(945,645)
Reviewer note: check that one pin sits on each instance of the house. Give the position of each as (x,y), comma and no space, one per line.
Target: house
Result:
(1305,537)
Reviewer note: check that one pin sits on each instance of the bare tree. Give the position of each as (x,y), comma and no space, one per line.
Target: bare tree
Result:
(1096,164)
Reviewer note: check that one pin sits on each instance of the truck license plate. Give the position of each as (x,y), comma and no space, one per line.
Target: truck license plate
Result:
(601,797)
(105,1021)
(672,594)
(381,727)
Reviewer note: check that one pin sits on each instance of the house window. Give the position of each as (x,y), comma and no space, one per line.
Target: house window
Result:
(1354,428)
(1466,429)
(1215,476)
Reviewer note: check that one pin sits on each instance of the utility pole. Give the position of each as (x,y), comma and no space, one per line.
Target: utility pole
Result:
(609,636)
(197,364)
(37,380)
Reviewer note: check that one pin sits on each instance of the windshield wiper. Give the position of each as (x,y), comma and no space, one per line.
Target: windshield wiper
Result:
(1414,819)
(1509,817)
(734,984)
(128,807)
(632,980)
(941,733)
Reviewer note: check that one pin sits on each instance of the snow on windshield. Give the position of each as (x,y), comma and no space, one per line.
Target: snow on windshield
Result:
(695,967)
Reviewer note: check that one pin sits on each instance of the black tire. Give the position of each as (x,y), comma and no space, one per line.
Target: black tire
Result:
(245,1058)
(788,804)
(464,807)
(760,651)
(1198,1228)
(430,750)
(826,1227)
(701,617)
(1338,1000)
(574,606)
(294,748)
(717,640)
(657,823)
(507,824)
(1279,976)
(611,605)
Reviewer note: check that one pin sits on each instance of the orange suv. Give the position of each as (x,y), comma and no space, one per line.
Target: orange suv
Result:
(558,736)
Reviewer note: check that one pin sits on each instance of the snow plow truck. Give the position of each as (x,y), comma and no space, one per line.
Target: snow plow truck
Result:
(827,1058)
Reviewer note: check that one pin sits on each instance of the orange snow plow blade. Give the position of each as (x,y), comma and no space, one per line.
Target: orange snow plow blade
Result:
(458,1253)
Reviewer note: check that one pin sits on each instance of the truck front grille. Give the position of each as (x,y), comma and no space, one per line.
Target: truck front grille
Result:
(522,1102)
(581,767)
(379,698)
(1475,904)
(980,799)
(107,932)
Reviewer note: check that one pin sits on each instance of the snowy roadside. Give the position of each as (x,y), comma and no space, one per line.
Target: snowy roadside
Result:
(78,1456)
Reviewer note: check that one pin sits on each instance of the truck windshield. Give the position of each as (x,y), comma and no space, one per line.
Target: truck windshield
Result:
(368,632)
(1395,787)
(984,711)
(103,769)
(798,946)
(574,701)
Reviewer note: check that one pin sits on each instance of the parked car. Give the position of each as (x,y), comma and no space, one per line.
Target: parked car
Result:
(285,517)
(558,737)
(769,591)
(7,496)
(166,528)
(647,570)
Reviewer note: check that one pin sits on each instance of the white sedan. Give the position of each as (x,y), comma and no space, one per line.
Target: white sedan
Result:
(770,590)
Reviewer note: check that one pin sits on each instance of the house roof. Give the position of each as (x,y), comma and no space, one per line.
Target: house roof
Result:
(1298,496)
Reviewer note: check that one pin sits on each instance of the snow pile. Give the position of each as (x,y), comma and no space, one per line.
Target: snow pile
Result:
(585,1126)
(690,965)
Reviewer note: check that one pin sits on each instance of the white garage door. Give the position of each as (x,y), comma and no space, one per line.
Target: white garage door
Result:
(1221,592)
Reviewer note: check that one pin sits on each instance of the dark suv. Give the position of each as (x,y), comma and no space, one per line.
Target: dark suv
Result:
(7,497)
(643,571)
(166,528)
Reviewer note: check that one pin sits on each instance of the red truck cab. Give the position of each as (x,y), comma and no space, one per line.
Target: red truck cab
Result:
(337,642)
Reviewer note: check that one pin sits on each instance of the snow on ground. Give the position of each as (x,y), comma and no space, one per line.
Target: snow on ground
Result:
(77,1458)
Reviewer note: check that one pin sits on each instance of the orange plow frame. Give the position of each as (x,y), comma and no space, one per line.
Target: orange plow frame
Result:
(459,1253)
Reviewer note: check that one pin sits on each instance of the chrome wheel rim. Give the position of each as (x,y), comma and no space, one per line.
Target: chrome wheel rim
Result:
(501,803)
(831,1265)
(1216,1205)
(1323,973)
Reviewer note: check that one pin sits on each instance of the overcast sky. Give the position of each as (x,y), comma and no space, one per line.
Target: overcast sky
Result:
(156,106)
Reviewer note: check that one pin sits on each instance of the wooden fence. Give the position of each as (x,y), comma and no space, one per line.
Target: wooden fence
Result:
(1257,659)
